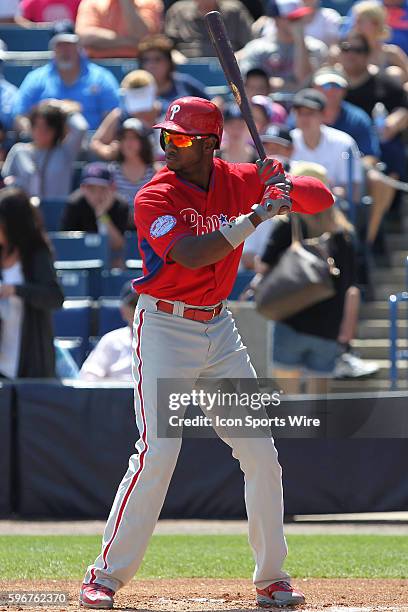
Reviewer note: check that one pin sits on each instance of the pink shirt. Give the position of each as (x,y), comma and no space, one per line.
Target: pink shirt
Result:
(49,10)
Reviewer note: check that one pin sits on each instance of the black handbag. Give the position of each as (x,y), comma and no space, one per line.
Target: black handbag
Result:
(302,277)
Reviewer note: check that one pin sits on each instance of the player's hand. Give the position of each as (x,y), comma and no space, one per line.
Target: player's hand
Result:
(270,171)
(275,201)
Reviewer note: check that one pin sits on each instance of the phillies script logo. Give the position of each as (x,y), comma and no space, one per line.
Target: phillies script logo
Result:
(204,225)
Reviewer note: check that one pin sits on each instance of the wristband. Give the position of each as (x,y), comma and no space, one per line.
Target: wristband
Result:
(237,231)
(104,218)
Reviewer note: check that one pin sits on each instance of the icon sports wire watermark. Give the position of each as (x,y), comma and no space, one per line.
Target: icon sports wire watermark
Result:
(33,598)
(232,408)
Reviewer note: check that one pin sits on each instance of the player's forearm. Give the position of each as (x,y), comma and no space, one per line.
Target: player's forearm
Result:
(309,195)
(198,251)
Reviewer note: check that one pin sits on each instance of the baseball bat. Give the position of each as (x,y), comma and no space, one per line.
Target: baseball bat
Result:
(229,64)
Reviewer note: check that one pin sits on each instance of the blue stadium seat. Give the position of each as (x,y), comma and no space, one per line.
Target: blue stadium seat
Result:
(206,69)
(112,281)
(92,267)
(25,39)
(51,210)
(75,283)
(109,316)
(16,73)
(75,246)
(119,68)
(131,248)
(241,282)
(73,320)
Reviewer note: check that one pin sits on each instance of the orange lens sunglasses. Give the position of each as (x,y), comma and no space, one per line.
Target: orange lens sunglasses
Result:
(180,140)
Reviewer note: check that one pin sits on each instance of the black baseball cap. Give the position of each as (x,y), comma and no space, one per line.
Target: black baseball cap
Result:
(97,173)
(309,98)
(231,111)
(278,134)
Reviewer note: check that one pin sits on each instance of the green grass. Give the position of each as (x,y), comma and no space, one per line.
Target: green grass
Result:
(169,556)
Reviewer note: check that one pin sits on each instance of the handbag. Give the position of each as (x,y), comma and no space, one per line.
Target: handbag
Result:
(302,277)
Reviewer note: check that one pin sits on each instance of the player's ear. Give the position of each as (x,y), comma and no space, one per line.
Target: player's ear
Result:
(210,144)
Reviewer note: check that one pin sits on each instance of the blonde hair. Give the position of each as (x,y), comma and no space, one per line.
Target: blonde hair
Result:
(137,79)
(329,220)
(376,12)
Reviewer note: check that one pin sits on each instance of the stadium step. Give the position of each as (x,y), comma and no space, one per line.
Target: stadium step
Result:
(379,328)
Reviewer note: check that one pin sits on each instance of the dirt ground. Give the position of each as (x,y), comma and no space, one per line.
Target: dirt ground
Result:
(205,595)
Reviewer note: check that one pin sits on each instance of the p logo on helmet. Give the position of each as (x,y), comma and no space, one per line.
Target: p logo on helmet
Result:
(174,110)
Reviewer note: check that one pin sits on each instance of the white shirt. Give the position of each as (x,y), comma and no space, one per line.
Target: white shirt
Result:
(256,242)
(11,314)
(332,152)
(111,358)
(325,26)
(9,8)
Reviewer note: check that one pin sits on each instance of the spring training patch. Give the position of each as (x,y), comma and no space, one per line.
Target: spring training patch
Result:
(162,225)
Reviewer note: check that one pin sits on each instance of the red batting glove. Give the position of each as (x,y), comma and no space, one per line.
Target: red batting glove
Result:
(270,171)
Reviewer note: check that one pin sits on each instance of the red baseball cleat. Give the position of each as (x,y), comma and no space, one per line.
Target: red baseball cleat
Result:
(96,596)
(279,594)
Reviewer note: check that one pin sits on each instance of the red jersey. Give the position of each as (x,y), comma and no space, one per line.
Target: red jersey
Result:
(169,208)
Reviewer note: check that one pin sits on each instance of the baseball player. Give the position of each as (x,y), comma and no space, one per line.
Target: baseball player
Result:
(192,219)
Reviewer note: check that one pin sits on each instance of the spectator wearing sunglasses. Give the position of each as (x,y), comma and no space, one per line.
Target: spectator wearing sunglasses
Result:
(365,89)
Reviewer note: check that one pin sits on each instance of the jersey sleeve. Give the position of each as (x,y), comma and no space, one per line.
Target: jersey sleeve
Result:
(158,222)
(309,195)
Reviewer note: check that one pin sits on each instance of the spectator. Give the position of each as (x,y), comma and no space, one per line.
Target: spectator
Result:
(8,93)
(43,167)
(315,142)
(287,56)
(49,11)
(155,56)
(10,11)
(370,20)
(28,293)
(114,28)
(235,145)
(96,208)
(112,356)
(397,19)
(266,112)
(186,27)
(68,76)
(321,23)
(256,83)
(138,99)
(365,90)
(134,166)
(307,343)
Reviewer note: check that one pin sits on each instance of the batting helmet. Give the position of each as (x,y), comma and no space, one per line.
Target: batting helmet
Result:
(191,115)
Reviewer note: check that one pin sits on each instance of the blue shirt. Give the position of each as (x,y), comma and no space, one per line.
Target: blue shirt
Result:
(96,90)
(8,94)
(355,122)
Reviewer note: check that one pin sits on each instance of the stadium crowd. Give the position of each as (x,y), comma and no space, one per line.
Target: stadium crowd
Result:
(329,96)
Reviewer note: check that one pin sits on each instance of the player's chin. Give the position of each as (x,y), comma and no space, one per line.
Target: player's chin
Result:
(172,163)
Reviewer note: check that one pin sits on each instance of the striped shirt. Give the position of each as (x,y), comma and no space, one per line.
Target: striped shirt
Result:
(126,188)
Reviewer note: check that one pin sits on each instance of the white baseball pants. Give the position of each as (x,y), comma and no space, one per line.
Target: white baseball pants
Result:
(169,346)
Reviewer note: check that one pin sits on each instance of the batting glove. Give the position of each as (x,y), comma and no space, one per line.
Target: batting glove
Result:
(275,201)
(270,171)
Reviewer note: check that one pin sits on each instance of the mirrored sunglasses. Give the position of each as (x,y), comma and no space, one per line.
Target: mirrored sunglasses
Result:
(180,140)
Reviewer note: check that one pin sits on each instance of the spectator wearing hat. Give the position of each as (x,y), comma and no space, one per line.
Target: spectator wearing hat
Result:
(288,56)
(43,167)
(134,165)
(321,23)
(235,147)
(49,11)
(266,112)
(156,56)
(97,208)
(112,356)
(68,76)
(365,90)
(186,27)
(138,99)
(315,142)
(114,28)
(8,93)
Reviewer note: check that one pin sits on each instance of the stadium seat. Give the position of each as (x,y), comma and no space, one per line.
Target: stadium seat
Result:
(92,266)
(109,316)
(241,282)
(75,283)
(131,248)
(118,67)
(25,39)
(205,69)
(75,246)
(16,73)
(51,210)
(73,345)
(112,281)
(73,320)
